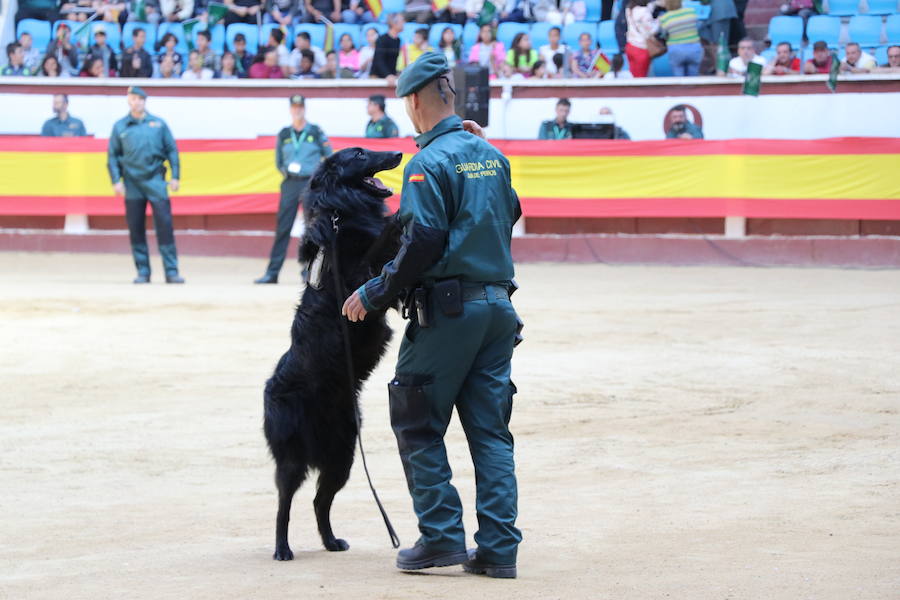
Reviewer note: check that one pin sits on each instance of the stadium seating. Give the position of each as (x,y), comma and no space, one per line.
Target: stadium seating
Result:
(865,30)
(539,34)
(128,39)
(701,9)
(406,36)
(823,28)
(572,32)
(507,31)
(470,35)
(266,29)
(786,29)
(593,11)
(843,8)
(661,67)
(250,33)
(175,29)
(391,6)
(218,38)
(39,30)
(437,30)
(381,28)
(355,34)
(892,29)
(316,33)
(606,35)
(881,55)
(882,7)
(113,35)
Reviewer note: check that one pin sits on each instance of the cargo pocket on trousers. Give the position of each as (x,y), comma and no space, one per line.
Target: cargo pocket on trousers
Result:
(509,402)
(410,414)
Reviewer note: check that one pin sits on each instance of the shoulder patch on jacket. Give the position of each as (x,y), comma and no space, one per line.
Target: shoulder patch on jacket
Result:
(417,177)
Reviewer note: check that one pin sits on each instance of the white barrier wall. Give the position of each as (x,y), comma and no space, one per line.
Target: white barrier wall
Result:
(783,116)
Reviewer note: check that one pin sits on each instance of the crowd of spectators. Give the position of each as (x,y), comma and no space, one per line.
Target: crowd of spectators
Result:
(691,43)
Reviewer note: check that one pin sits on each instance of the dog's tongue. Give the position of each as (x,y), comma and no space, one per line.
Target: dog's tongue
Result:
(376,183)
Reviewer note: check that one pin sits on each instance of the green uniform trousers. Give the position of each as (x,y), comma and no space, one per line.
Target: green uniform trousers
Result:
(464,362)
(292,190)
(137,194)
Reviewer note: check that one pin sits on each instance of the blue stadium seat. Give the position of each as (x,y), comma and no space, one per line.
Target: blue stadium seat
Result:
(892,29)
(593,11)
(843,8)
(606,35)
(865,30)
(470,35)
(341,28)
(391,6)
(250,33)
(768,54)
(113,35)
(178,31)
(786,29)
(406,36)
(437,30)
(701,9)
(379,27)
(128,36)
(881,55)
(882,7)
(39,31)
(266,29)
(823,28)
(660,66)
(572,32)
(507,31)
(540,32)
(316,32)
(217,43)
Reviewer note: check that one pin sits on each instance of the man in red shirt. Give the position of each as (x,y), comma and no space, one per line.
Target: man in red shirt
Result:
(268,68)
(784,63)
(821,60)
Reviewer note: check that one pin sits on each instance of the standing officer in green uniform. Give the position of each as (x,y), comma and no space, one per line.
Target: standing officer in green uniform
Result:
(380,125)
(298,151)
(457,211)
(558,128)
(63,124)
(139,145)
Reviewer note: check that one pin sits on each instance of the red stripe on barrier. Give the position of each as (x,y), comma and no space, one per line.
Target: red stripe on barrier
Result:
(509,147)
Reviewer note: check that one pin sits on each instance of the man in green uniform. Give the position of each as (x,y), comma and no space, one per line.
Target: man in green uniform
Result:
(558,128)
(380,125)
(298,151)
(63,124)
(457,211)
(139,145)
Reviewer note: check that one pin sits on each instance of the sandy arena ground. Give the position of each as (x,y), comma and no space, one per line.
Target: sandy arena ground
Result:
(684,433)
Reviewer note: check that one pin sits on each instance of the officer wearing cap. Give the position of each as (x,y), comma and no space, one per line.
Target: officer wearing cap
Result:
(139,145)
(380,125)
(457,210)
(298,151)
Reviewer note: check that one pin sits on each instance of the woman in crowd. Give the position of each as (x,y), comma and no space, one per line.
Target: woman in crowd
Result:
(449,46)
(582,62)
(348,57)
(521,56)
(488,52)
(229,66)
(166,47)
(367,52)
(641,25)
(50,67)
(679,26)
(93,67)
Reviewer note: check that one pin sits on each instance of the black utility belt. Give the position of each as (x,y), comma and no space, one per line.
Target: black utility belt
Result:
(448,295)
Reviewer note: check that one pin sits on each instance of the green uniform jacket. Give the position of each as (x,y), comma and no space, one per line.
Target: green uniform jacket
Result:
(457,210)
(382,128)
(71,127)
(550,130)
(690,128)
(138,150)
(307,147)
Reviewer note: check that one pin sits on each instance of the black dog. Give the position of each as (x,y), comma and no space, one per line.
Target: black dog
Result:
(309,402)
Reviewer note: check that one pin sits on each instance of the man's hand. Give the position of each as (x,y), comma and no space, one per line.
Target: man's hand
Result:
(336,16)
(174,184)
(353,308)
(119,188)
(474,128)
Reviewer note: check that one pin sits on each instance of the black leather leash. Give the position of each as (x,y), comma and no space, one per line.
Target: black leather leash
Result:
(341,294)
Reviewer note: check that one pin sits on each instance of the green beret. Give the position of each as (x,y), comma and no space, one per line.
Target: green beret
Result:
(137,91)
(425,69)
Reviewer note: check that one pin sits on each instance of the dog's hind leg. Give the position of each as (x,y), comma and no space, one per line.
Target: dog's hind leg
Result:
(288,477)
(331,479)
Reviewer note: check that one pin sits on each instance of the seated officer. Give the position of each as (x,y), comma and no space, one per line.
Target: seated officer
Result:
(558,128)
(380,125)
(63,124)
(457,210)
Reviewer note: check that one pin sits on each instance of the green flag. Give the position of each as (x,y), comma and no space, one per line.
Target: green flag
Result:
(723,56)
(82,35)
(487,13)
(188,28)
(139,9)
(217,12)
(833,72)
(751,81)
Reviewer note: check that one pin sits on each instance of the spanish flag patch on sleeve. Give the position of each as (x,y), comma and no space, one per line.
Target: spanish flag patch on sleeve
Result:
(417,178)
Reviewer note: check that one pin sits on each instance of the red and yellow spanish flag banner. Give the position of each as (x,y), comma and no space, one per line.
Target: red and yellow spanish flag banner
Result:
(375,7)
(843,178)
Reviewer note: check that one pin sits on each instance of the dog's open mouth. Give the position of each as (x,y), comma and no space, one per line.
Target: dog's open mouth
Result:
(377,187)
